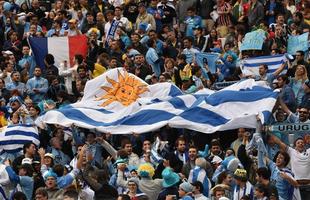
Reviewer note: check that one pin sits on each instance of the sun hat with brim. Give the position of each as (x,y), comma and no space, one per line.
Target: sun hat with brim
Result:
(49,155)
(27,161)
(7,52)
(241,174)
(120,161)
(170,178)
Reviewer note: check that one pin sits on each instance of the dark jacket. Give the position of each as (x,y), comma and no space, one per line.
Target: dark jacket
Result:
(141,48)
(168,191)
(305,102)
(105,6)
(6,94)
(277,10)
(256,14)
(199,44)
(204,8)
(170,13)
(131,12)
(50,72)
(103,191)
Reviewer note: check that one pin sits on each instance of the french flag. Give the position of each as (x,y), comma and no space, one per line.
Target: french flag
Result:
(62,48)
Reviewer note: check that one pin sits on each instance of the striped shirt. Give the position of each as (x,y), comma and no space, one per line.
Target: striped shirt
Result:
(224,19)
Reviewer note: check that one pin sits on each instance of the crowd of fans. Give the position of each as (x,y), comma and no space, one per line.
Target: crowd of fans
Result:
(157,41)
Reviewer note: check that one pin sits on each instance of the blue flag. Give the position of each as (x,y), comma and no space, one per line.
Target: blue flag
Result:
(210,58)
(297,43)
(253,40)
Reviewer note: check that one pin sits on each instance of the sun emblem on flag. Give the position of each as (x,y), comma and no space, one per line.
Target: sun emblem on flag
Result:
(126,91)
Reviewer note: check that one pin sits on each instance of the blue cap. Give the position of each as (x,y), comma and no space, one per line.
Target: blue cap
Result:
(143,26)
(197,27)
(16,98)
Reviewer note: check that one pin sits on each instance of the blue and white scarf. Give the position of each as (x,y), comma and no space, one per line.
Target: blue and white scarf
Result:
(112,31)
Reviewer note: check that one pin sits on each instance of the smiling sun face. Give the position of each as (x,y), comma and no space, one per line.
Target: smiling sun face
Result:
(125,91)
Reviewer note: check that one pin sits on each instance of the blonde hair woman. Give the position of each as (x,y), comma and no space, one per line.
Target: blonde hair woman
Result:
(297,82)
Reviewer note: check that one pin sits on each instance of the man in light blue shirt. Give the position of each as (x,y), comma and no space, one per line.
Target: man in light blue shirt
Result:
(16,84)
(268,77)
(152,58)
(27,62)
(33,20)
(37,86)
(189,51)
(57,30)
(60,156)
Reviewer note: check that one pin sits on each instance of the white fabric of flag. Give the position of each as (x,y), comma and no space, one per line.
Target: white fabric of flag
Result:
(250,66)
(120,103)
(13,137)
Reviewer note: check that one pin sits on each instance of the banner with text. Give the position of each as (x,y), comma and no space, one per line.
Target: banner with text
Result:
(253,40)
(297,43)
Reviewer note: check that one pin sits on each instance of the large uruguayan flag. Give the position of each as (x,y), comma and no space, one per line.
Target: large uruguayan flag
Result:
(121,103)
(250,66)
(13,137)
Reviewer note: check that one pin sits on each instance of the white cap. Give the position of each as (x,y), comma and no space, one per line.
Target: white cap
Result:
(27,161)
(216,160)
(223,198)
(7,52)
(21,14)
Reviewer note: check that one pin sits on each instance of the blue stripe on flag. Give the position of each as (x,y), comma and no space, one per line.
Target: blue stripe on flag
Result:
(104,111)
(147,117)
(22,133)
(246,64)
(144,117)
(204,116)
(40,49)
(266,114)
(174,91)
(238,96)
(199,101)
(20,125)
(8,142)
(13,150)
(177,103)
(156,100)
(257,89)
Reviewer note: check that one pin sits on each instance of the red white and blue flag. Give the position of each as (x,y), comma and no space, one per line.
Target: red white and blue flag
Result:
(62,48)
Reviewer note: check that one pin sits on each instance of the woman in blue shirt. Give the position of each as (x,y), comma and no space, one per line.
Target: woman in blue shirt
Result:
(297,82)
